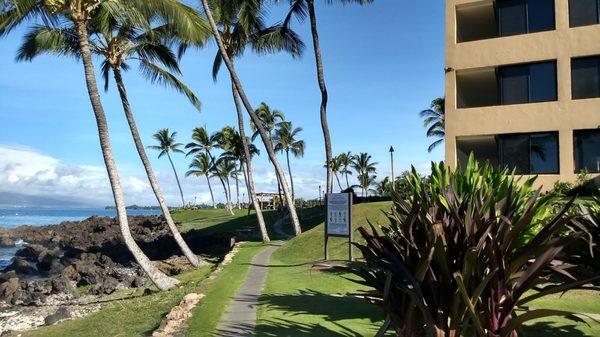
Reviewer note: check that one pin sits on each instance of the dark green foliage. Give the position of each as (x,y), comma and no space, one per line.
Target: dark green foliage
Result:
(465,251)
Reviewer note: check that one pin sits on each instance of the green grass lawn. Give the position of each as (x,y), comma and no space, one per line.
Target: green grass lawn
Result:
(219,292)
(220,221)
(300,300)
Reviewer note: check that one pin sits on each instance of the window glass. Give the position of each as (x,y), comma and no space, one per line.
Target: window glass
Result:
(587,150)
(512,17)
(544,153)
(542,82)
(515,153)
(540,15)
(585,77)
(583,12)
(514,84)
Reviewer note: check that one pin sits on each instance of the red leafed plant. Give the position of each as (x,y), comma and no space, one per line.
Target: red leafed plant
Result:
(466,253)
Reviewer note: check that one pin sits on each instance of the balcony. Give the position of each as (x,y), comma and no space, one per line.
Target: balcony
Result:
(491,19)
(513,84)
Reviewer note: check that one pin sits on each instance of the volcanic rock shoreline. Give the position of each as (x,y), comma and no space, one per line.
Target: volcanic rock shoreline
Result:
(89,254)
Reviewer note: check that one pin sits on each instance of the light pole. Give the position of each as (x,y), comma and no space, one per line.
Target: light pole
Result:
(392,162)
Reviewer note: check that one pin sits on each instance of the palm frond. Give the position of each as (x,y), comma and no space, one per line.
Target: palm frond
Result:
(158,75)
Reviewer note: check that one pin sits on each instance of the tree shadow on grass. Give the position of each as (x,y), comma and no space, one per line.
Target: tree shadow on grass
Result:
(546,329)
(331,307)
(289,328)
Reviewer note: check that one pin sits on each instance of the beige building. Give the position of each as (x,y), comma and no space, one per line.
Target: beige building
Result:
(523,85)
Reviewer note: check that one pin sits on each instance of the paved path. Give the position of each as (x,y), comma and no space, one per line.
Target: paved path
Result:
(240,316)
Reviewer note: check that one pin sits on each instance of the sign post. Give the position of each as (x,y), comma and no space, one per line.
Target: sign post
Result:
(339,219)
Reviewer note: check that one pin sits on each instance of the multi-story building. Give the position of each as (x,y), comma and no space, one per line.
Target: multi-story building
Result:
(523,86)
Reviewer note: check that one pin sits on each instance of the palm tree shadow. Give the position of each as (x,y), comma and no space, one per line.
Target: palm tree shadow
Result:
(289,328)
(546,329)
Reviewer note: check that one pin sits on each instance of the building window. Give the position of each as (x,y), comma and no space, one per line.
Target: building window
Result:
(528,83)
(525,16)
(490,19)
(533,153)
(586,144)
(584,12)
(585,77)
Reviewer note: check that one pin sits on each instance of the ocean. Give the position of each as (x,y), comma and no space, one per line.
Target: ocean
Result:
(14,217)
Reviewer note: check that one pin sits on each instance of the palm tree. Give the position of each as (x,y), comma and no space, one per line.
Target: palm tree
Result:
(254,118)
(362,164)
(201,166)
(336,167)
(75,16)
(224,169)
(166,145)
(346,160)
(287,142)
(365,181)
(299,9)
(435,121)
(202,142)
(271,120)
(235,151)
(119,42)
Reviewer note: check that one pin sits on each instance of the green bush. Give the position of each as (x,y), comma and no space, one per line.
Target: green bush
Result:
(454,260)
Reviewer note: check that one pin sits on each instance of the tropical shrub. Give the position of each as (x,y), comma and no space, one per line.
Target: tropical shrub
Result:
(453,260)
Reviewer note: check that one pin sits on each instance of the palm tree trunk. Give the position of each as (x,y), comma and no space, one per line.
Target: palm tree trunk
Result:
(176,179)
(323,88)
(287,155)
(150,172)
(338,181)
(237,192)
(212,196)
(278,181)
(254,117)
(229,188)
(227,199)
(161,280)
(347,183)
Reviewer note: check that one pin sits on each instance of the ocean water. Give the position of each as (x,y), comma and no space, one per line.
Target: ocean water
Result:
(14,217)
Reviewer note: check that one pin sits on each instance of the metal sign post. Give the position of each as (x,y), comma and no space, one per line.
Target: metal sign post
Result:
(339,219)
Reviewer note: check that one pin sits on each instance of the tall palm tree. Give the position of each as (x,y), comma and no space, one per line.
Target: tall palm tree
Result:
(362,164)
(235,151)
(224,169)
(201,166)
(287,142)
(254,118)
(118,42)
(271,120)
(203,142)
(435,121)
(336,167)
(76,15)
(166,145)
(346,160)
(300,9)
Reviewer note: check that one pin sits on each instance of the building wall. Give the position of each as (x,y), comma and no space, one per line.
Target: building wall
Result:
(563,115)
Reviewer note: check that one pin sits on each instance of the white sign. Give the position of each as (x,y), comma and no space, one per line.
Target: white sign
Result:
(338,214)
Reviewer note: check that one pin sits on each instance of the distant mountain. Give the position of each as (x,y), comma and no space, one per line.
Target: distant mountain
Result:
(11,199)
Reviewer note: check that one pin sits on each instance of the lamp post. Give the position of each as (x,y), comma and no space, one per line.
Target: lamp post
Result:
(392,162)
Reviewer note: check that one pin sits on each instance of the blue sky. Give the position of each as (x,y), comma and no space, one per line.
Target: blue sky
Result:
(383,63)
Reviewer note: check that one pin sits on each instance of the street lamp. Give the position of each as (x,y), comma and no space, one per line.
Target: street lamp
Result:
(392,162)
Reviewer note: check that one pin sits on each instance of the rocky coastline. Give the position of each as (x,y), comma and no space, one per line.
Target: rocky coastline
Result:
(59,267)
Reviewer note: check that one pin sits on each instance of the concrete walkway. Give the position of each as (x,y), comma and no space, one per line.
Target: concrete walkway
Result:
(240,316)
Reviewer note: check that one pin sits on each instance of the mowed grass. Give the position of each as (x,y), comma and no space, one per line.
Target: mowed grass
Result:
(220,290)
(299,300)
(220,221)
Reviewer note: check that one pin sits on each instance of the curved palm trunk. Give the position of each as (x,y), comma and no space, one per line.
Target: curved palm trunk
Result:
(161,280)
(323,88)
(253,116)
(150,172)
(227,198)
(338,181)
(176,179)
(212,197)
(278,181)
(347,183)
(237,193)
(287,157)
(228,186)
